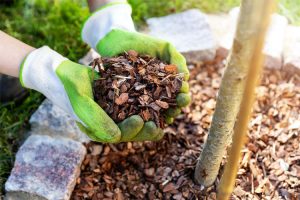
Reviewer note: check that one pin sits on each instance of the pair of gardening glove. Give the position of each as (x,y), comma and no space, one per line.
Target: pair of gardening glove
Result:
(110,31)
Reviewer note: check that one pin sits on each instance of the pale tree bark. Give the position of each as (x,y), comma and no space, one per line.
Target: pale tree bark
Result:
(263,10)
(230,94)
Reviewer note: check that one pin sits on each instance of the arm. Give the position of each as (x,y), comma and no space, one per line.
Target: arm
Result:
(95,4)
(12,53)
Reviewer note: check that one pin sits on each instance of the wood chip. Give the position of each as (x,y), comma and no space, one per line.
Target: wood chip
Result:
(162,104)
(171,68)
(123,98)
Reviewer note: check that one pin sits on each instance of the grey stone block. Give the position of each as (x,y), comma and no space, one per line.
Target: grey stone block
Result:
(188,31)
(219,24)
(291,52)
(51,120)
(46,168)
(273,47)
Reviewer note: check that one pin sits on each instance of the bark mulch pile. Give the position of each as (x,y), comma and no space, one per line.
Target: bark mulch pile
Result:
(270,166)
(131,84)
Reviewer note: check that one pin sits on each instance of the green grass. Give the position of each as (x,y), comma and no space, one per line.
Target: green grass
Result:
(290,9)
(57,23)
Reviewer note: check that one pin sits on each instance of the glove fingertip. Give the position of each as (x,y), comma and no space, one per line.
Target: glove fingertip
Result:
(130,127)
(183,99)
(186,75)
(169,120)
(160,135)
(173,112)
(148,132)
(184,87)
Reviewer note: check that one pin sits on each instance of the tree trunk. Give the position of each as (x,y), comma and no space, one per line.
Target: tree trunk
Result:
(230,94)
(263,8)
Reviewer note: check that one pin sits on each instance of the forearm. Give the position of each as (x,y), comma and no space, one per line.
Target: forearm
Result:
(95,4)
(12,53)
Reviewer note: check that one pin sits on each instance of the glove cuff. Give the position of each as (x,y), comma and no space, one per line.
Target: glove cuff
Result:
(37,66)
(114,15)
(38,72)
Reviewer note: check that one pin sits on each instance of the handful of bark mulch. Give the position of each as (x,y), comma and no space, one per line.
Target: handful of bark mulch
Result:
(133,84)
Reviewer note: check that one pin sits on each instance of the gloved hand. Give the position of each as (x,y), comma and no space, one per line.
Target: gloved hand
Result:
(110,31)
(68,85)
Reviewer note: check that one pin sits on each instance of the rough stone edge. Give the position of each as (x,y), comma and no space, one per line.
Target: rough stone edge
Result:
(76,174)
(198,56)
(11,195)
(22,196)
(38,129)
(291,69)
(42,130)
(291,64)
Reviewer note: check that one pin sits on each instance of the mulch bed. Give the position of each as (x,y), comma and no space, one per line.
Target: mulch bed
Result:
(270,166)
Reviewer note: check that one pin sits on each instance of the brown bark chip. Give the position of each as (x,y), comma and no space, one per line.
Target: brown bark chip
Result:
(131,84)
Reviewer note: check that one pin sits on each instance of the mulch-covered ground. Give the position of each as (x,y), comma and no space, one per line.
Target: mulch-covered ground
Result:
(270,166)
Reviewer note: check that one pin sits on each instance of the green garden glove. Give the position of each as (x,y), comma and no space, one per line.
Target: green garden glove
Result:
(110,31)
(69,86)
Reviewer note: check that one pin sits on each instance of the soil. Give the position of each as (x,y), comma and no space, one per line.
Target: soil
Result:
(133,84)
(270,164)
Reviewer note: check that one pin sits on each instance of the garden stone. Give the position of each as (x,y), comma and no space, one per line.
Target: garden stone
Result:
(274,42)
(51,120)
(292,50)
(219,24)
(45,168)
(188,31)
(273,48)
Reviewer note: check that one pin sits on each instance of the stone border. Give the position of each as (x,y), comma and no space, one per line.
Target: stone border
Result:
(45,168)
(50,120)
